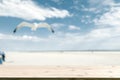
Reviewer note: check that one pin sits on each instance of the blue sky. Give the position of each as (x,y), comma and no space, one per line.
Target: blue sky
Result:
(78,24)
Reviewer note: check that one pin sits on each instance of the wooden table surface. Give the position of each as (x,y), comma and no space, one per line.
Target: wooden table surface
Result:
(60,71)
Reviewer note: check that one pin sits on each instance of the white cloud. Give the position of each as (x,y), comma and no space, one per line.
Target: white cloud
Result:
(108,24)
(89,9)
(86,19)
(29,10)
(73,27)
(76,5)
(99,38)
(58,2)
(98,6)
(106,34)
(57,25)
(101,3)
(109,21)
(111,18)
(21,38)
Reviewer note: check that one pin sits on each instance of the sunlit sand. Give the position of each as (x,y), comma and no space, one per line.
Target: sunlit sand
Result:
(61,64)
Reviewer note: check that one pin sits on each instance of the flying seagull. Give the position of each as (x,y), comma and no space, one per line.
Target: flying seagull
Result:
(34,26)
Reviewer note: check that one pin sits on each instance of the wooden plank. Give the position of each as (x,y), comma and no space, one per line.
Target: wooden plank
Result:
(60,71)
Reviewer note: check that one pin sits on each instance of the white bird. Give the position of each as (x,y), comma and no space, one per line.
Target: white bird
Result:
(34,26)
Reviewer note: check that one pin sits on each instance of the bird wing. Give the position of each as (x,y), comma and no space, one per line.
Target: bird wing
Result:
(23,24)
(45,25)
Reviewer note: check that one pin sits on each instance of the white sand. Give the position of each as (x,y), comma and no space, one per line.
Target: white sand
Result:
(61,64)
(63,58)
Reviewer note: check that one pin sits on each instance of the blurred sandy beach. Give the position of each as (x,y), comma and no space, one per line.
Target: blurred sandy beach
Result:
(85,58)
(61,64)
